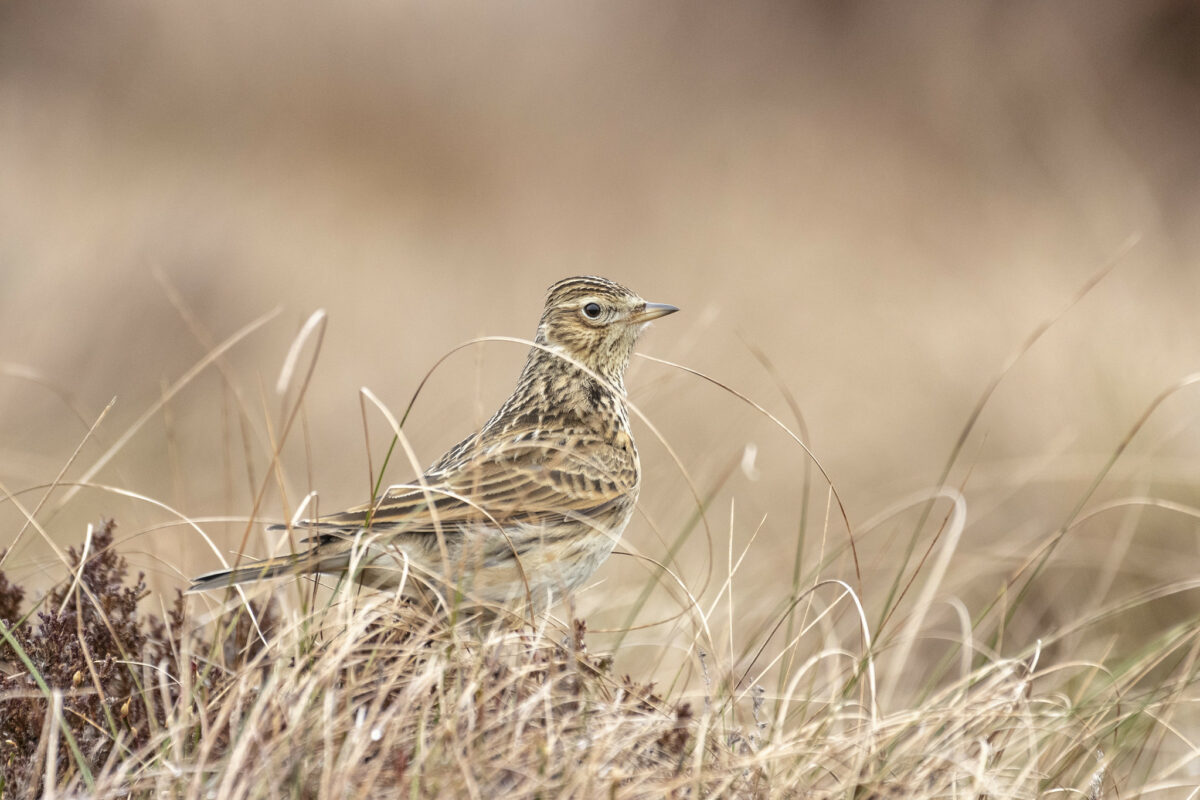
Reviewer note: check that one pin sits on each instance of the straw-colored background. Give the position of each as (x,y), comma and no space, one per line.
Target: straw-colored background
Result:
(885,199)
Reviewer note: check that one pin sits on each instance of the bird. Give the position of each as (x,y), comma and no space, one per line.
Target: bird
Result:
(524,509)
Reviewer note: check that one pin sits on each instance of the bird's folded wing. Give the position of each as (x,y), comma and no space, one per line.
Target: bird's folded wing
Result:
(521,482)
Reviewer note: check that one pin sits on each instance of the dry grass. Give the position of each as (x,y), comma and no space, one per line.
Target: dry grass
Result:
(839,693)
(863,210)
(362,698)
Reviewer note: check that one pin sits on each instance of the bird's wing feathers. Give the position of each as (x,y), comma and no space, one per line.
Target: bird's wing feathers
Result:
(522,479)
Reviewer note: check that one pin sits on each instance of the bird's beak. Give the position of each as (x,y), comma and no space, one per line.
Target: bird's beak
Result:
(653,311)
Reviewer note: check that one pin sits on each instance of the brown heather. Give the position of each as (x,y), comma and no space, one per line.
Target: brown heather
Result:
(84,645)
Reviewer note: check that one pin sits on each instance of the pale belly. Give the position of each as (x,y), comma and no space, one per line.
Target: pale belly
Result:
(483,565)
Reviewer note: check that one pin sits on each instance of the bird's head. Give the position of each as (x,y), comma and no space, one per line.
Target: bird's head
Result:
(596,322)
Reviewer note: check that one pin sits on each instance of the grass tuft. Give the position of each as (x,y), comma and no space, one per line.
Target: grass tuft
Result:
(367,697)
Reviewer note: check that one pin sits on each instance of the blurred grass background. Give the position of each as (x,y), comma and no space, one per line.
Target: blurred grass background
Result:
(884,199)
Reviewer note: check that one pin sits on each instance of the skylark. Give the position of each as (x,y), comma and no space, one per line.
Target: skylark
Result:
(528,507)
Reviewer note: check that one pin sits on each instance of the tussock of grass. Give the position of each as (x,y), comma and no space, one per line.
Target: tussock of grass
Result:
(373,697)
(363,697)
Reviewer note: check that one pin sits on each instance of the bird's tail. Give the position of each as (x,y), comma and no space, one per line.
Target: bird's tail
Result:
(259,570)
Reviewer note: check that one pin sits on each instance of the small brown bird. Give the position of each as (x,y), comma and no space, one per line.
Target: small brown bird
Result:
(530,505)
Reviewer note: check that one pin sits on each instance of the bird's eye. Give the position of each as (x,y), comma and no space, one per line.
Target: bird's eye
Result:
(592,310)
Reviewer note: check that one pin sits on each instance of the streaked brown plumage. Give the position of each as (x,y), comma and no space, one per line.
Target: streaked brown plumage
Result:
(530,505)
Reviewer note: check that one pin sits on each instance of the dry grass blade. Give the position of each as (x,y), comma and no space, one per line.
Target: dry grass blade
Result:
(57,479)
(896,593)
(185,379)
(779,423)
